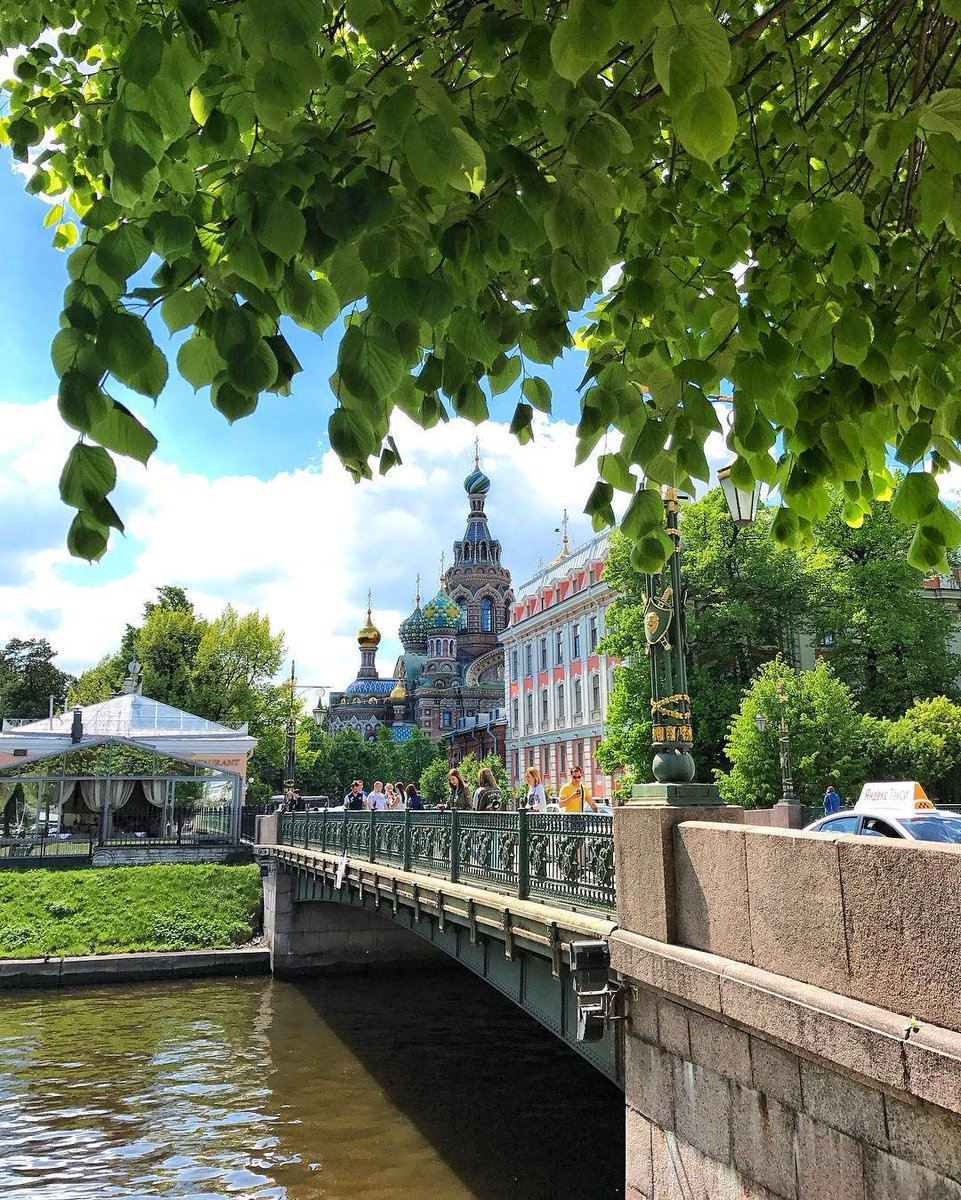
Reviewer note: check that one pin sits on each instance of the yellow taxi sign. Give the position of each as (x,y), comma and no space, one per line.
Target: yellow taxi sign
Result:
(905,795)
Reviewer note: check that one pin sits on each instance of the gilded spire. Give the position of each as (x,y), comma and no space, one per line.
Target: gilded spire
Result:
(477,453)
(443,561)
(565,542)
(417,592)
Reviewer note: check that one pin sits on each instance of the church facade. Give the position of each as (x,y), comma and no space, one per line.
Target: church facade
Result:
(452,664)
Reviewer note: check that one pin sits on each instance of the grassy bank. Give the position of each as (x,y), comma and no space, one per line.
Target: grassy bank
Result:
(106,910)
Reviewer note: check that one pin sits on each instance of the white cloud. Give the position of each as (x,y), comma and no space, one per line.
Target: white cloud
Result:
(303,546)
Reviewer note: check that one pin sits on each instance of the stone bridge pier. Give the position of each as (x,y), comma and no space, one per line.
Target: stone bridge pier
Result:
(305,939)
(793,1026)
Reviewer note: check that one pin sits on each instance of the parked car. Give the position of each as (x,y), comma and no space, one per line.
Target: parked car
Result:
(894,810)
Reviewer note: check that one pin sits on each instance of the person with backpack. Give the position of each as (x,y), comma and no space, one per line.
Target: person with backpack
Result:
(487,796)
(575,797)
(832,800)
(355,798)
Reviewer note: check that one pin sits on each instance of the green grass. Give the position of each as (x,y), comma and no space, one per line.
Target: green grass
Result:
(106,910)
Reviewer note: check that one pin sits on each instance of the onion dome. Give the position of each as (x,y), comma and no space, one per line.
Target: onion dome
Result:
(413,630)
(477,483)
(368,634)
(442,612)
(399,693)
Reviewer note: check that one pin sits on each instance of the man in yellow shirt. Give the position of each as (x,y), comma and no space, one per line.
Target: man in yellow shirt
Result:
(575,797)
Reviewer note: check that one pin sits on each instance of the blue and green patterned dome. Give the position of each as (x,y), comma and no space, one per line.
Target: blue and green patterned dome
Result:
(413,629)
(442,612)
(477,483)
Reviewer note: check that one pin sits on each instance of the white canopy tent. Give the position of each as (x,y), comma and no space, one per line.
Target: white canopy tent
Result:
(134,720)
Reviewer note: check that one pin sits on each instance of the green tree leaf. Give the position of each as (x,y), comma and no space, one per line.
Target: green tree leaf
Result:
(581,39)
(119,430)
(706,123)
(199,361)
(87,537)
(88,475)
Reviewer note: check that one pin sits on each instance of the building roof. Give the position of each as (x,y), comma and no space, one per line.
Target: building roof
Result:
(577,560)
(370,687)
(132,718)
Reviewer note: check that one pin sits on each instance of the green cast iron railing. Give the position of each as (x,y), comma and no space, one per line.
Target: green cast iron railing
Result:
(560,858)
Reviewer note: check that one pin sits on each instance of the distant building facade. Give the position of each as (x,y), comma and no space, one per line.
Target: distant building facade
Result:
(558,684)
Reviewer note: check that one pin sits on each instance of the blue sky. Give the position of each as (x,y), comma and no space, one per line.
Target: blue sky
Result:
(259,514)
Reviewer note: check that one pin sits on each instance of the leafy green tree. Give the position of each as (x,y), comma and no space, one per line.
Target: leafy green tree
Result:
(29,678)
(925,744)
(416,755)
(828,739)
(776,187)
(887,642)
(433,782)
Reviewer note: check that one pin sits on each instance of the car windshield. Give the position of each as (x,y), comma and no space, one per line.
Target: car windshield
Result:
(934,828)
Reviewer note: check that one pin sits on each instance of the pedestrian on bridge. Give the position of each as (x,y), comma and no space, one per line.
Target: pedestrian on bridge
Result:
(459,796)
(488,795)
(378,797)
(832,800)
(536,799)
(575,797)
(400,795)
(355,798)
(414,799)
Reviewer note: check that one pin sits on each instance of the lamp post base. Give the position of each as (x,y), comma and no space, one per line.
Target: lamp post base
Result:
(675,793)
(673,766)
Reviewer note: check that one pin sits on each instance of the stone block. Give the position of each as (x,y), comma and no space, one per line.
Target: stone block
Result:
(887,1177)
(934,1066)
(781,816)
(648,1084)
(847,1032)
(642,1015)
(672,1031)
(685,1173)
(711,902)
(763,1142)
(797,920)
(674,970)
(844,1104)
(640,1167)
(829,1164)
(905,951)
(644,859)
(721,1047)
(702,1109)
(776,1072)
(925,1135)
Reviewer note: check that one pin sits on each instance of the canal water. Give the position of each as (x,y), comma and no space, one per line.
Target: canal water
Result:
(427,1086)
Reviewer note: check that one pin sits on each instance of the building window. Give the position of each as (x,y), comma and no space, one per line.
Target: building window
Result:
(576,651)
(545,705)
(487,615)
(515,766)
(529,709)
(559,647)
(543,653)
(595,693)
(515,712)
(483,551)
(579,754)
(513,664)
(447,720)
(545,762)
(593,634)
(563,758)
(560,702)
(529,659)
(578,698)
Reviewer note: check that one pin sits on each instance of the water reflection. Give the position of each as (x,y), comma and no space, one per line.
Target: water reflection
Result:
(426,1085)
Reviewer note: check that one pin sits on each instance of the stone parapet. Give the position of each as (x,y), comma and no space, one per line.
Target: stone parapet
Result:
(866,918)
(793,1096)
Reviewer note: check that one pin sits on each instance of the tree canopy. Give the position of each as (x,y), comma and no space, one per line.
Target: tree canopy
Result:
(850,593)
(775,184)
(29,679)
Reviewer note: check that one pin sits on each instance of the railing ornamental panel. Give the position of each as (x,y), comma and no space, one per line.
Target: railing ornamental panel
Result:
(559,858)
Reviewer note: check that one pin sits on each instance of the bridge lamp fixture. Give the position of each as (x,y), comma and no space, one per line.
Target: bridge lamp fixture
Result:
(597,994)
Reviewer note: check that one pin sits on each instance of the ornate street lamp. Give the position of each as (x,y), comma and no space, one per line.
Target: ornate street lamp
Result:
(784,746)
(741,503)
(319,714)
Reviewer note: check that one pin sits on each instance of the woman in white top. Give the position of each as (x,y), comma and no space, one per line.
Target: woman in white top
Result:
(536,796)
(389,793)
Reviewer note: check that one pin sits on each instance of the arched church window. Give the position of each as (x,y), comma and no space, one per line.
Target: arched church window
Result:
(483,551)
(487,615)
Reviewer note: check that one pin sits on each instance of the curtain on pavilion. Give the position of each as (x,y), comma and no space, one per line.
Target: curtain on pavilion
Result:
(155,790)
(94,792)
(122,791)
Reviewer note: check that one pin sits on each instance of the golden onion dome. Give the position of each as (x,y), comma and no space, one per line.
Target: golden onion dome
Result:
(368,634)
(399,692)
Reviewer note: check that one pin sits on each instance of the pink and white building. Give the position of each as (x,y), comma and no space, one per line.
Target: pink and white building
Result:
(557,684)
